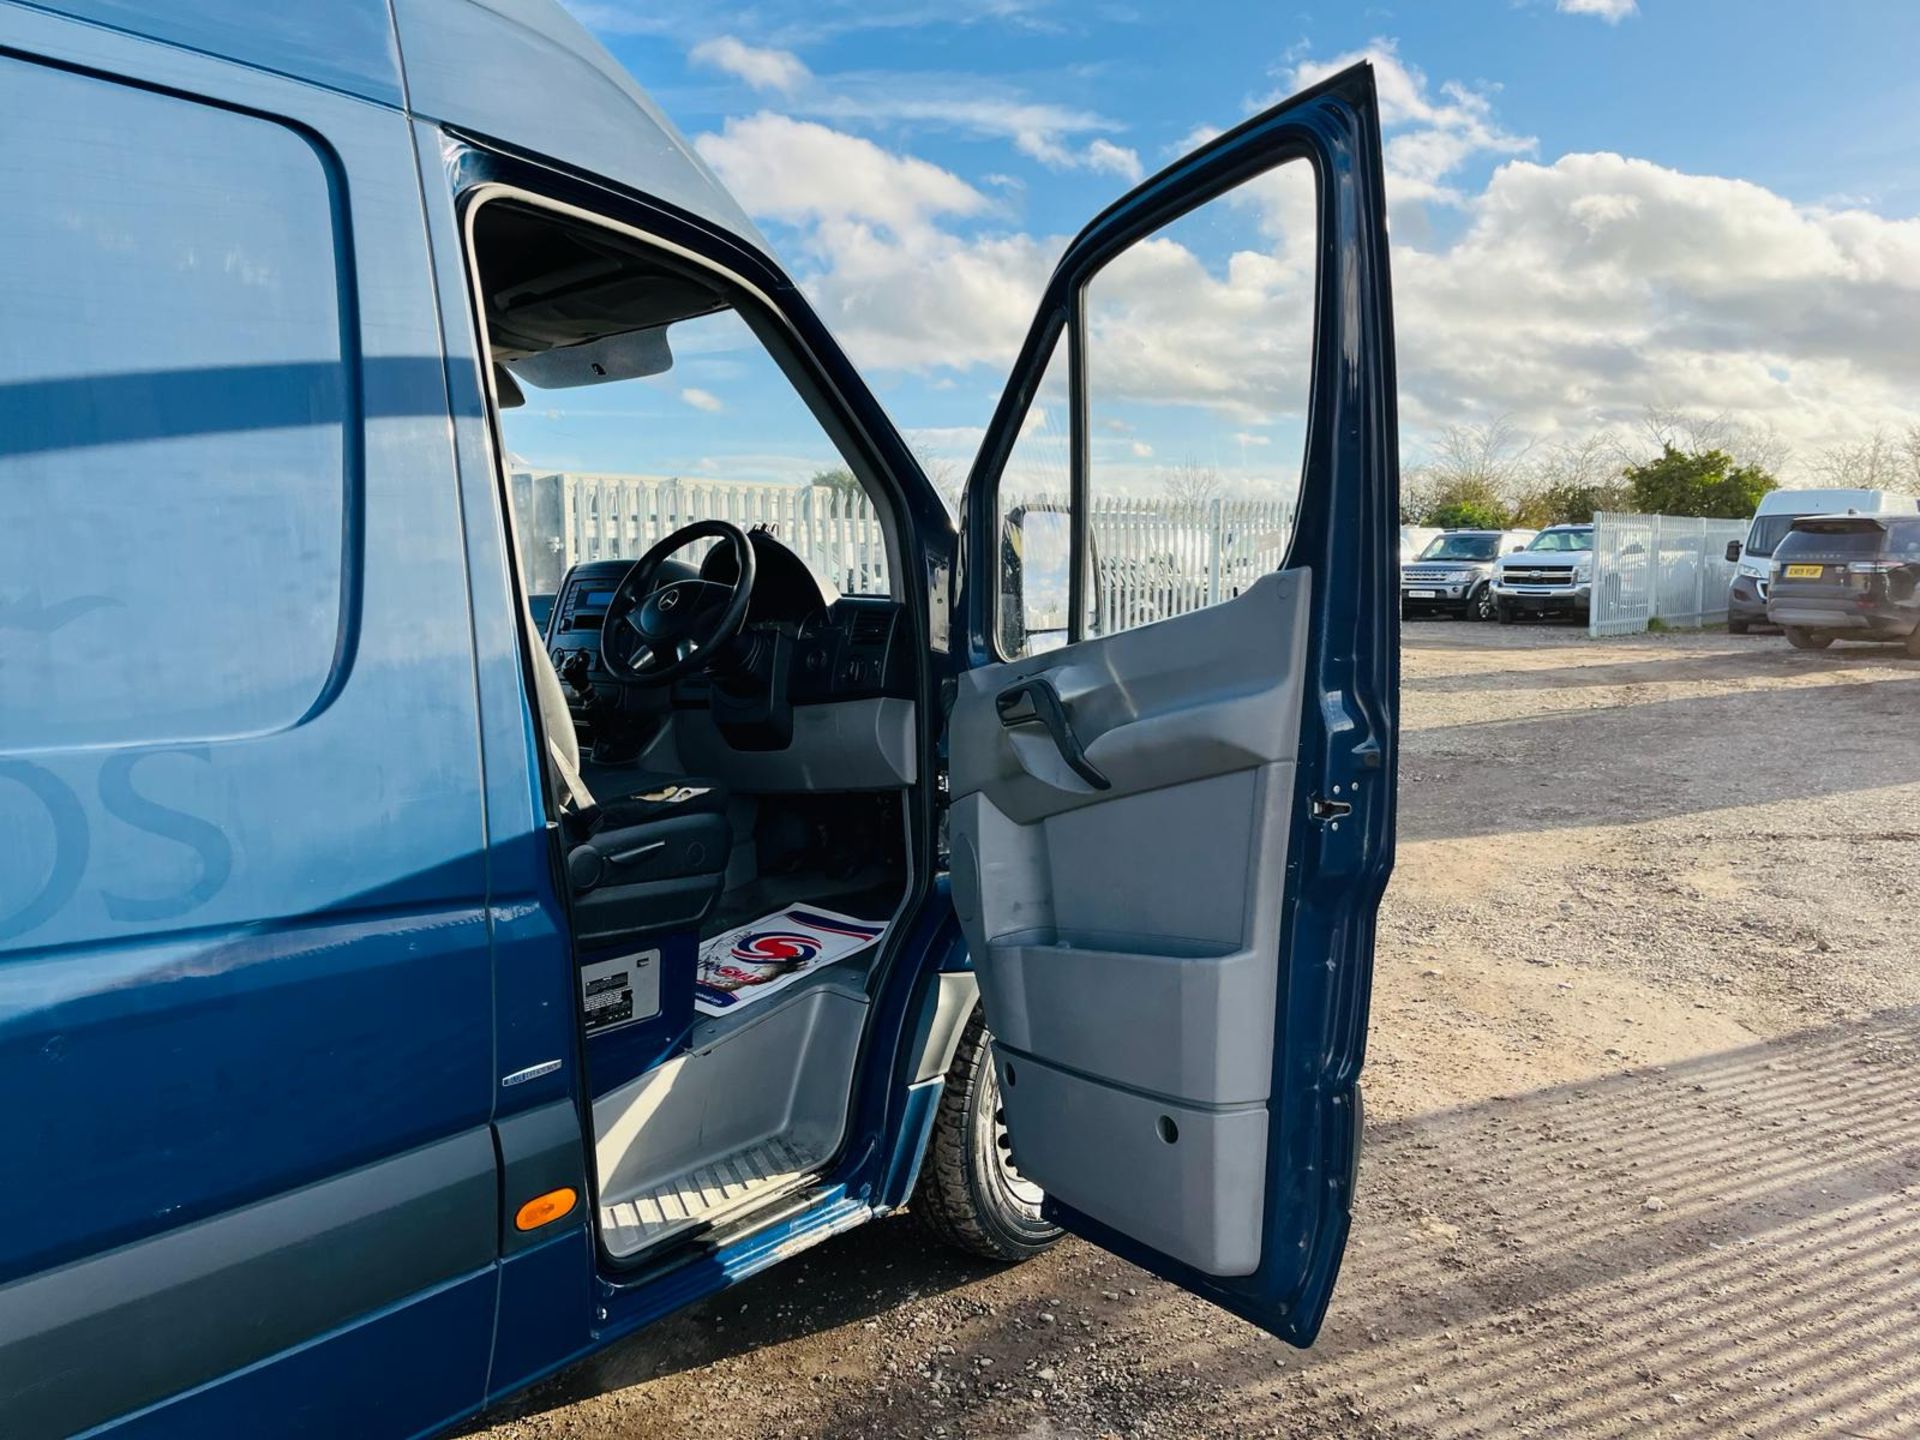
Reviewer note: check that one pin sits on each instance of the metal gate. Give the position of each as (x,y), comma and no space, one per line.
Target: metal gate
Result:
(1659,567)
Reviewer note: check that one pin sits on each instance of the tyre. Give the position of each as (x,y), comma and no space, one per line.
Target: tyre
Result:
(1802,639)
(1480,607)
(1738,627)
(1913,642)
(969,1193)
(1503,612)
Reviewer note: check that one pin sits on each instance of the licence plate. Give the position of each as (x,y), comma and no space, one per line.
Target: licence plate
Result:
(1423,594)
(1803,572)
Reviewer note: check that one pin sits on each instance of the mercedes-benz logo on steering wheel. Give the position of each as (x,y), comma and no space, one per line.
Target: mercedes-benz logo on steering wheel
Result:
(669,599)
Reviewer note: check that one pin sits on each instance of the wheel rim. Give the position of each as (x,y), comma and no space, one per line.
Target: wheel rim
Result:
(996,1150)
(1485,604)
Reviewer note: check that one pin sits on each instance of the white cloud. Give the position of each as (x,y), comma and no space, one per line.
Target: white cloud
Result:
(1569,295)
(760,67)
(1051,134)
(931,300)
(1430,135)
(1585,289)
(702,400)
(898,290)
(1611,11)
(797,171)
(1246,437)
(1111,159)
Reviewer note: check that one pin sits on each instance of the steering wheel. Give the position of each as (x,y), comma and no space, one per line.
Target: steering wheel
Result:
(655,633)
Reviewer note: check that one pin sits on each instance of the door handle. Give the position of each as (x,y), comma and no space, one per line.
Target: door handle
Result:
(1034,701)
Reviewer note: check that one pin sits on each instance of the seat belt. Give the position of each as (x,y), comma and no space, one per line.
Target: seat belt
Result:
(585,808)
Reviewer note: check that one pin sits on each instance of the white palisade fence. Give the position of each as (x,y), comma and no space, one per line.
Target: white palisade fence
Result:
(621,517)
(1154,557)
(1672,568)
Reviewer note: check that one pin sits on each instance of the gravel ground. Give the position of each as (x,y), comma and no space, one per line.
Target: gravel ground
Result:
(1644,1146)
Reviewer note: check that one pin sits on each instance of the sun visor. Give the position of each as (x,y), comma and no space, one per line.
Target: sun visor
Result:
(630,356)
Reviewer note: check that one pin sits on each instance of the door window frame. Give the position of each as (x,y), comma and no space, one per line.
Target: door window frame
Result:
(763,316)
(1219,167)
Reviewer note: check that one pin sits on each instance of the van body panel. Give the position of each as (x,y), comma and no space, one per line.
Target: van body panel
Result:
(343,44)
(236,964)
(526,73)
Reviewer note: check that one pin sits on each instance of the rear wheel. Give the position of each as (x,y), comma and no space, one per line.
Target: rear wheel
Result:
(1802,639)
(1737,627)
(970,1193)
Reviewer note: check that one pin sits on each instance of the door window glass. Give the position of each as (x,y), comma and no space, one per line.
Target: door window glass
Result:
(1035,560)
(1199,358)
(172,409)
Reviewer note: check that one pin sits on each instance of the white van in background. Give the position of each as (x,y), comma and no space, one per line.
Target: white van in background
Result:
(1414,539)
(1747,597)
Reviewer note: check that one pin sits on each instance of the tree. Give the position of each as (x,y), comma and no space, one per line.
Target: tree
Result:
(1192,487)
(946,476)
(1880,462)
(1672,428)
(1685,483)
(1474,471)
(840,481)
(1571,482)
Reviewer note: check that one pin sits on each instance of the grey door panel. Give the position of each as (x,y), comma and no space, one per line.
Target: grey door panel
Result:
(1183,1179)
(1137,699)
(1127,939)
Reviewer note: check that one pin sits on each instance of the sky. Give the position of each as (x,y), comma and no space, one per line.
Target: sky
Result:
(1711,206)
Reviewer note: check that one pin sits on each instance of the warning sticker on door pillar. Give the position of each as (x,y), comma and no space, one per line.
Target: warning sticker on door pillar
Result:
(613,992)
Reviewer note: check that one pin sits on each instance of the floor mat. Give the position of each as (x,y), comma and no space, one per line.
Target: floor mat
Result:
(750,962)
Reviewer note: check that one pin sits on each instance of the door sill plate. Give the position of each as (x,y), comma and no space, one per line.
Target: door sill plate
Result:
(709,1195)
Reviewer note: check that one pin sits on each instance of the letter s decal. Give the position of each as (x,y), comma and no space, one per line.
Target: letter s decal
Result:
(202,837)
(70,845)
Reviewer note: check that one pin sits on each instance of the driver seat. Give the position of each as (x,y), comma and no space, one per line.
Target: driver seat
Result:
(651,859)
(642,794)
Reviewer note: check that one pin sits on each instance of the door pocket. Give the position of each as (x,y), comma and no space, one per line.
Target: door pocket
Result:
(1181,1178)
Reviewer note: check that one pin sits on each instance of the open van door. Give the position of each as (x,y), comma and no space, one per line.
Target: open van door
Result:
(1170,835)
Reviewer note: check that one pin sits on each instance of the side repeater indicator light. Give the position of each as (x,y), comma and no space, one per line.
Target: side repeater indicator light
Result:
(545,1209)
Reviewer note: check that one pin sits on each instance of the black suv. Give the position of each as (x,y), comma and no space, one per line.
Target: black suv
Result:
(1847,577)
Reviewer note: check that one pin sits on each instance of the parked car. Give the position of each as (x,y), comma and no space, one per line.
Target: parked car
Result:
(1454,574)
(1847,577)
(1552,576)
(1778,509)
(370,1046)
(1414,539)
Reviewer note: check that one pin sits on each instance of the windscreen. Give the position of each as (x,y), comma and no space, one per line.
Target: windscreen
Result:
(1766,533)
(1462,547)
(1562,541)
(1860,541)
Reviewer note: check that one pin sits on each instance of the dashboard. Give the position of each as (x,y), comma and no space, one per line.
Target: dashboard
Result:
(802,645)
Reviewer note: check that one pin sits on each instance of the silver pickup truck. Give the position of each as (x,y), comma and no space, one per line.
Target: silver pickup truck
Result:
(1552,576)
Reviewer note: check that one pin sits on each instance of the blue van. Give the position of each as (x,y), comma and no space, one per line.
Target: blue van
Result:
(398,1003)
